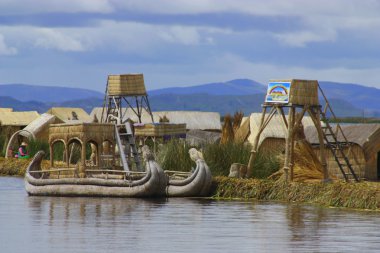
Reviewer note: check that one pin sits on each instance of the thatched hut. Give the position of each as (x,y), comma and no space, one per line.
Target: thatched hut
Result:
(6,110)
(194,120)
(365,146)
(273,136)
(11,121)
(70,114)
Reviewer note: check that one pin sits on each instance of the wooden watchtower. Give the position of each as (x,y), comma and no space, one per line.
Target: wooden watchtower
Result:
(128,91)
(123,92)
(298,97)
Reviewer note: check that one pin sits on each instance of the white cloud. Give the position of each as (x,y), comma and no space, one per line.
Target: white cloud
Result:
(321,21)
(304,8)
(4,49)
(300,39)
(53,39)
(183,35)
(15,7)
(133,37)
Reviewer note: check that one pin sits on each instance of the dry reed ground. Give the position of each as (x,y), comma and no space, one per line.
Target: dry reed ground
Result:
(17,167)
(363,195)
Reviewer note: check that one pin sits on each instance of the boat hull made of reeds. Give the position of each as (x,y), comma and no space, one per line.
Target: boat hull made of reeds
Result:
(197,184)
(151,184)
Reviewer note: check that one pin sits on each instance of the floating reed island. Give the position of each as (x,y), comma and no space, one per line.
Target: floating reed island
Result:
(290,152)
(362,195)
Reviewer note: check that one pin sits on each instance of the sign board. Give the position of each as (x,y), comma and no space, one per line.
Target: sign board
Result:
(278,92)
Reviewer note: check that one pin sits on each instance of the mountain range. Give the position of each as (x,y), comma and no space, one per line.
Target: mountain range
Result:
(224,97)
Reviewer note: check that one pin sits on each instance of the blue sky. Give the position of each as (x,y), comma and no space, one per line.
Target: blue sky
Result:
(77,43)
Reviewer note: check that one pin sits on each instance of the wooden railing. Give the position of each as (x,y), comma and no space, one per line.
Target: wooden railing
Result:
(106,172)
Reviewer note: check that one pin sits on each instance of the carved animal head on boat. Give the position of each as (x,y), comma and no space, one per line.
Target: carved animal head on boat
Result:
(195,154)
(147,153)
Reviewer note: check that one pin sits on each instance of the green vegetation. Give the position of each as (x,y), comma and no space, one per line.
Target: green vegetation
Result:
(265,165)
(219,157)
(174,155)
(2,145)
(36,145)
(364,195)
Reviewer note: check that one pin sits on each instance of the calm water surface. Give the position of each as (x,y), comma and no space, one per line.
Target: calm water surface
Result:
(47,224)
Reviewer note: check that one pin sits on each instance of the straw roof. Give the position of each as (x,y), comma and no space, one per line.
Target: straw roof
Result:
(70,114)
(193,119)
(199,137)
(39,124)
(275,128)
(18,118)
(6,109)
(356,133)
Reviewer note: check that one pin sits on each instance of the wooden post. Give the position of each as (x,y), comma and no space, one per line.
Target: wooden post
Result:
(99,150)
(67,155)
(51,149)
(255,144)
(291,139)
(288,145)
(83,155)
(316,119)
(113,147)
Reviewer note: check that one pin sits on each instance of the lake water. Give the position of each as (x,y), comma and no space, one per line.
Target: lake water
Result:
(50,224)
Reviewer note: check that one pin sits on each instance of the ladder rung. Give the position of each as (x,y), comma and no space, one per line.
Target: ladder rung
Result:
(125,134)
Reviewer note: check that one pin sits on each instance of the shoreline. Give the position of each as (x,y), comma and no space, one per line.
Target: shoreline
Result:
(362,195)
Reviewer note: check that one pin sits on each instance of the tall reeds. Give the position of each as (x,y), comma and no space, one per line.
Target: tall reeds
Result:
(219,157)
(174,155)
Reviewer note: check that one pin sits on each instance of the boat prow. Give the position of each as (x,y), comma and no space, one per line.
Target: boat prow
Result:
(196,184)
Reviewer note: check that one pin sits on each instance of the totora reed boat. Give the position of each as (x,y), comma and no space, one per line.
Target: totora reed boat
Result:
(104,173)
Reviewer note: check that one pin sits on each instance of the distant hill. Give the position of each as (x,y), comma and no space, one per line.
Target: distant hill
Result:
(204,102)
(229,104)
(46,94)
(17,105)
(235,95)
(364,97)
(87,104)
(233,87)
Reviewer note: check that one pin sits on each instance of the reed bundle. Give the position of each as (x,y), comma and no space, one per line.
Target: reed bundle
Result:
(238,117)
(227,130)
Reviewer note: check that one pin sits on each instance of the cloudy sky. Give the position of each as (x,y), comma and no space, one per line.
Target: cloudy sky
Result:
(77,43)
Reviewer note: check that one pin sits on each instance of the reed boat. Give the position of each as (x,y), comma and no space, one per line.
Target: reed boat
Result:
(108,172)
(95,183)
(190,184)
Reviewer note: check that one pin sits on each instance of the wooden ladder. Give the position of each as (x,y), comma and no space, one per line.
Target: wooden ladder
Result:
(336,145)
(127,146)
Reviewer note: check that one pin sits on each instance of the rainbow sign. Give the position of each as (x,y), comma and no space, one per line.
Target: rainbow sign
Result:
(278,92)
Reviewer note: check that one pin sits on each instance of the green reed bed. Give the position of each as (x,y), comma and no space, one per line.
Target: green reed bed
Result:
(174,155)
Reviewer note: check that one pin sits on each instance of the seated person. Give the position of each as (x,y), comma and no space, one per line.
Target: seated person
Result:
(22,152)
